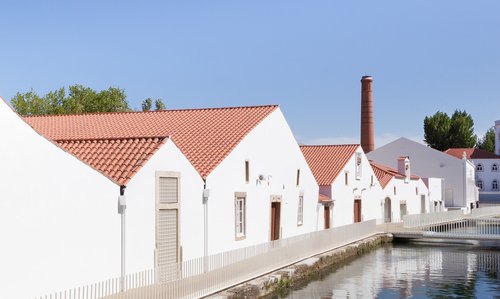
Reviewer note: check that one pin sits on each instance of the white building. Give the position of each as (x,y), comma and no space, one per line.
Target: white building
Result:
(487,172)
(59,224)
(403,193)
(349,190)
(197,182)
(458,174)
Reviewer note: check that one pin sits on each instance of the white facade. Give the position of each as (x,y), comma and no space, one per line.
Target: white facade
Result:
(273,157)
(487,174)
(435,187)
(460,189)
(405,198)
(364,187)
(59,224)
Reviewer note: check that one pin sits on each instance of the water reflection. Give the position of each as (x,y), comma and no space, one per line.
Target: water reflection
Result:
(413,271)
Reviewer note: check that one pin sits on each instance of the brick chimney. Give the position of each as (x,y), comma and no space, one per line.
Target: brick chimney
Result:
(367,135)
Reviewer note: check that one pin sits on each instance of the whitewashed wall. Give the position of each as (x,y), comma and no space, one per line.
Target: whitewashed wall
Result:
(140,194)
(427,162)
(273,152)
(59,224)
(410,193)
(487,175)
(343,195)
(436,194)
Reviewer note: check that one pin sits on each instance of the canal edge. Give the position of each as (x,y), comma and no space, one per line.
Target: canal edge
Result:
(281,281)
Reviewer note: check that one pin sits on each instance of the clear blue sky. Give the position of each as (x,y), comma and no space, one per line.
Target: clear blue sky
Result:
(306,56)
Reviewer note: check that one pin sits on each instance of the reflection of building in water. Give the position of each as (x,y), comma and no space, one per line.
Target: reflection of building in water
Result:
(408,271)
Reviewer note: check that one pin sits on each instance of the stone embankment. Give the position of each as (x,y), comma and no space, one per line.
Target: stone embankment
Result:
(301,273)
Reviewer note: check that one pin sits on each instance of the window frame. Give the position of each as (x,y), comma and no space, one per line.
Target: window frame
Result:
(479,167)
(300,210)
(480,184)
(494,167)
(240,223)
(494,185)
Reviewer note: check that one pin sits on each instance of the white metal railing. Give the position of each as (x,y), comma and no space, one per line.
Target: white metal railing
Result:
(486,212)
(419,220)
(203,276)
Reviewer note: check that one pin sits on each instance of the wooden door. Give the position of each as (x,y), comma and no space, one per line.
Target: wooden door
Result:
(275,220)
(327,216)
(387,210)
(357,210)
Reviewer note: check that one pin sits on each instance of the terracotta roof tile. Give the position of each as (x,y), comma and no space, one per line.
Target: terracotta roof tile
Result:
(102,155)
(205,136)
(472,153)
(327,161)
(384,174)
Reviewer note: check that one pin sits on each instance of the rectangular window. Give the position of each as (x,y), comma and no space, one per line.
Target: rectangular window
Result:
(298,177)
(372,183)
(300,212)
(239,213)
(247,171)
(358,166)
(346,178)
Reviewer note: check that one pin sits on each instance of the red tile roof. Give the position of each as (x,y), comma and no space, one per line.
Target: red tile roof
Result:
(327,161)
(118,144)
(472,153)
(118,159)
(384,174)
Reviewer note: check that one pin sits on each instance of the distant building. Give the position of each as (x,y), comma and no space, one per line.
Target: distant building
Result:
(458,174)
(348,188)
(403,193)
(487,172)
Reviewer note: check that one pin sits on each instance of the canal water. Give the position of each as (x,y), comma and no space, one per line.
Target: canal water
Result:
(413,270)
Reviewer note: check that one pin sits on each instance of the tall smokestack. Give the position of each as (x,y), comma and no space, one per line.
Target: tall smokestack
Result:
(367,135)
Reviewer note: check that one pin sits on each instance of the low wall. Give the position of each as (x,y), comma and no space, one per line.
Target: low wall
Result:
(301,273)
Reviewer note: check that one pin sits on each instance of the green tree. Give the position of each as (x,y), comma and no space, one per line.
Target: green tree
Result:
(487,143)
(147,104)
(436,129)
(79,99)
(442,132)
(159,105)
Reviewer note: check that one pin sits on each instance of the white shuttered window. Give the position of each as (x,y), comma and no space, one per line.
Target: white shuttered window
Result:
(240,217)
(167,220)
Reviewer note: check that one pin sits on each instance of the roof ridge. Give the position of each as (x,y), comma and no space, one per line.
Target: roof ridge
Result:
(329,145)
(111,138)
(151,111)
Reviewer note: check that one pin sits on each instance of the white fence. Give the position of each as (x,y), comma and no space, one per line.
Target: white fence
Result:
(204,276)
(417,220)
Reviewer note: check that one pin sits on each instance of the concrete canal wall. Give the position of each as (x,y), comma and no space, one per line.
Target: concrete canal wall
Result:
(302,272)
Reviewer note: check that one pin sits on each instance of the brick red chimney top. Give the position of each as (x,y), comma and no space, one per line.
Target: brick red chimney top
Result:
(367,135)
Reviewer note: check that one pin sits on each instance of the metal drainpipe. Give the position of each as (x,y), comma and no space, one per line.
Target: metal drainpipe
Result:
(205,226)
(122,206)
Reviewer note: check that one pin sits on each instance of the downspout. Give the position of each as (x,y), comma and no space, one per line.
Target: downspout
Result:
(206,195)
(122,206)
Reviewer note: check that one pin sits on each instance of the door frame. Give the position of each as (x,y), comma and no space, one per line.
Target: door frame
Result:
(360,209)
(274,199)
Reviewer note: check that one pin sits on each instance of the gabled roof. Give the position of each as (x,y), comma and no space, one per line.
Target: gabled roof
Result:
(471,153)
(118,144)
(327,161)
(384,174)
(118,159)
